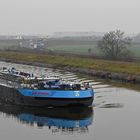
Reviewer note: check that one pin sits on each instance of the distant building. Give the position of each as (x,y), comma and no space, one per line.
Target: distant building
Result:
(32,43)
(39,44)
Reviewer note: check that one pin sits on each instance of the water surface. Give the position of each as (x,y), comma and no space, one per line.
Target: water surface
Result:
(114,115)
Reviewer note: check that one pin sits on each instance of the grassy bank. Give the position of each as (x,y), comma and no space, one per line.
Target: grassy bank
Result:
(101,65)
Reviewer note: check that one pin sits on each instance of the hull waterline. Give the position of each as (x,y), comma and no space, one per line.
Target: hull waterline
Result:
(14,96)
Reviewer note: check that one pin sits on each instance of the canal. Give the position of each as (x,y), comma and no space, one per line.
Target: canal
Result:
(114,114)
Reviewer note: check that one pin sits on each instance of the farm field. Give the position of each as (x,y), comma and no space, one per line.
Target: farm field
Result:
(135,49)
(70,46)
(76,49)
(83,49)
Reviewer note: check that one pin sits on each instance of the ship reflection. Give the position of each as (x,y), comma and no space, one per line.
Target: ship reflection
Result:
(63,120)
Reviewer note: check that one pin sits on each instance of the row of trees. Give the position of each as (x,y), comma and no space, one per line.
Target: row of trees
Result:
(114,45)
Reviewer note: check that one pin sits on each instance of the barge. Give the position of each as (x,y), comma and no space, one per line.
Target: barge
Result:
(23,88)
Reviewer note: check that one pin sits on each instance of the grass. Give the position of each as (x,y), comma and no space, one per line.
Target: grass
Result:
(101,65)
(72,48)
(83,49)
(76,49)
(135,49)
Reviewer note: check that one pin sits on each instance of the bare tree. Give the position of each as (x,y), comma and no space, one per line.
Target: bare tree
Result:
(114,44)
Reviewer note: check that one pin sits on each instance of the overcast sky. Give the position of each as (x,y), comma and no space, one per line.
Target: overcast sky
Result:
(48,16)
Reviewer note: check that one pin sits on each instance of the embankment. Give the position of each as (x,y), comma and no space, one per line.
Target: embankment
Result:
(115,70)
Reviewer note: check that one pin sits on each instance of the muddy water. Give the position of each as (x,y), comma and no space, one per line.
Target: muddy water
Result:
(115,115)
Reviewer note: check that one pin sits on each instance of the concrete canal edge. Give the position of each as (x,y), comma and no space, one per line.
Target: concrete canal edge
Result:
(118,77)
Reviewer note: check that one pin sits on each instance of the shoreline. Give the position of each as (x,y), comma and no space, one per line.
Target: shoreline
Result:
(105,75)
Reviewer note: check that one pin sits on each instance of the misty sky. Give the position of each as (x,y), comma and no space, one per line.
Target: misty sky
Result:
(48,16)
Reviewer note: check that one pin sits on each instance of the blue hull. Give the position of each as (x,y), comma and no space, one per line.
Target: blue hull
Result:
(57,97)
(29,97)
(69,94)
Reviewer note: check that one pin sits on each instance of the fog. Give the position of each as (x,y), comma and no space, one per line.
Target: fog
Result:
(48,16)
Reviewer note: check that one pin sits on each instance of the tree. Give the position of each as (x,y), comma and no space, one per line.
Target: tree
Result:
(89,50)
(114,44)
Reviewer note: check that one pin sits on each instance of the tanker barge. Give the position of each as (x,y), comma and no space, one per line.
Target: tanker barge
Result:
(23,88)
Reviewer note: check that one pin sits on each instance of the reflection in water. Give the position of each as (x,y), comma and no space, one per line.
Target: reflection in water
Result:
(65,120)
(112,105)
